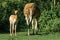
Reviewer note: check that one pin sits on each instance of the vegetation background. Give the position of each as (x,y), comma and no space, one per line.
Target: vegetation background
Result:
(49,20)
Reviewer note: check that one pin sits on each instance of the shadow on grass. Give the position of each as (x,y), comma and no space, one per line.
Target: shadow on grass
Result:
(31,34)
(38,34)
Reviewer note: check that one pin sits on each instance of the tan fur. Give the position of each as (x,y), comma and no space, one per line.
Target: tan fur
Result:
(13,22)
(28,7)
(13,17)
(31,13)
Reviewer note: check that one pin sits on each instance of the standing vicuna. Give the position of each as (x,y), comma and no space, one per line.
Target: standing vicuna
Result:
(13,23)
(32,14)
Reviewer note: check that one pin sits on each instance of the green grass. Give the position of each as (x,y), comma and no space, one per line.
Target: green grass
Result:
(23,36)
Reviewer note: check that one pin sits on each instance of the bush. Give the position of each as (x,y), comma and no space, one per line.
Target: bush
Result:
(49,21)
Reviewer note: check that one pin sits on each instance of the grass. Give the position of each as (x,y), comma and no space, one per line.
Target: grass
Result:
(23,36)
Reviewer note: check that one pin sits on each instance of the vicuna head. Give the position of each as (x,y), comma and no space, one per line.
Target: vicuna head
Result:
(15,11)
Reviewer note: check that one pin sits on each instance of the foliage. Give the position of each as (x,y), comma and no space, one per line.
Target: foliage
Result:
(49,19)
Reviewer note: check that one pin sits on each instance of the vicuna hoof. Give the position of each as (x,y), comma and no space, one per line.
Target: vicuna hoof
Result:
(10,34)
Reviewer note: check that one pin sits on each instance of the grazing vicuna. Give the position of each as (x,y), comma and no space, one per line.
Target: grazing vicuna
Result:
(13,22)
(32,14)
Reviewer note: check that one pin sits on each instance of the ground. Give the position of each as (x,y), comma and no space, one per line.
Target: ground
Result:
(23,36)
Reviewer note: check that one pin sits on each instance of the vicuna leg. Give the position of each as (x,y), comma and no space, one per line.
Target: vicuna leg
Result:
(28,30)
(15,29)
(36,28)
(33,26)
(27,21)
(10,29)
